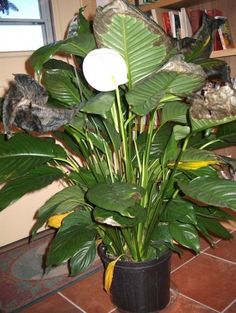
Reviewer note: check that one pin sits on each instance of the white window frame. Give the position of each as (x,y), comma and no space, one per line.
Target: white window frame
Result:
(45,21)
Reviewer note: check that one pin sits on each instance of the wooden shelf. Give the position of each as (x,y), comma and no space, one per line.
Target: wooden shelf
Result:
(168,4)
(223,53)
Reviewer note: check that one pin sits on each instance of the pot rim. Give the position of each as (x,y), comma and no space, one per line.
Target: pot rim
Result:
(103,255)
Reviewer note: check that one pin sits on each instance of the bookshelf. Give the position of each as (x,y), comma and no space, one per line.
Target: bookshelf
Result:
(228,7)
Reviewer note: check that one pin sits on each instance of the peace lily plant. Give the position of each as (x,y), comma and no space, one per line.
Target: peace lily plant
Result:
(137,162)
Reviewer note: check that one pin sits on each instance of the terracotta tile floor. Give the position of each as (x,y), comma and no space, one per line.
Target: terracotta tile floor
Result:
(200,284)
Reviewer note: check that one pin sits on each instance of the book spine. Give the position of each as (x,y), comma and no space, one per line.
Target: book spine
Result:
(195,17)
(166,23)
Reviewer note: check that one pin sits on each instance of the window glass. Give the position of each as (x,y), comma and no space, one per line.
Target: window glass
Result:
(20,38)
(26,9)
(25,26)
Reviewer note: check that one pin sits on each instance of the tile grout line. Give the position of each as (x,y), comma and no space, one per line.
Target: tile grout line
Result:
(178,267)
(219,258)
(113,310)
(71,302)
(228,306)
(202,304)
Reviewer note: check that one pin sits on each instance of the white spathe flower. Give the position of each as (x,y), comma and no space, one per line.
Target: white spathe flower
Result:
(105,69)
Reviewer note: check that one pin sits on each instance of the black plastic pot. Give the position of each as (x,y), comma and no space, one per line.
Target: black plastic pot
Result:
(142,287)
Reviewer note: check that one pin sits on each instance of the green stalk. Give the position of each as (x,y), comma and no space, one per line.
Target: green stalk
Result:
(127,237)
(158,209)
(109,164)
(144,171)
(123,138)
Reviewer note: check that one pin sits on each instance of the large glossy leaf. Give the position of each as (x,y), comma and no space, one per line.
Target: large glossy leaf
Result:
(186,235)
(177,79)
(212,212)
(42,55)
(213,191)
(77,230)
(227,133)
(83,258)
(115,219)
(143,44)
(99,104)
(174,111)
(179,210)
(115,197)
(199,125)
(192,154)
(78,45)
(60,86)
(63,201)
(33,180)
(213,226)
(23,152)
(160,140)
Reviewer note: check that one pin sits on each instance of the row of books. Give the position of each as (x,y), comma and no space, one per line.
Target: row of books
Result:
(185,23)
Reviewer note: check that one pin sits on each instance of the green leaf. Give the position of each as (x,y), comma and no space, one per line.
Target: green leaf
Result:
(210,64)
(99,142)
(113,134)
(147,95)
(213,191)
(83,258)
(67,141)
(227,133)
(181,211)
(99,104)
(143,44)
(180,132)
(214,227)
(22,153)
(113,218)
(160,140)
(192,154)
(43,54)
(77,45)
(199,125)
(84,178)
(115,197)
(33,180)
(212,212)
(174,111)
(186,235)
(170,150)
(63,201)
(77,229)
(60,86)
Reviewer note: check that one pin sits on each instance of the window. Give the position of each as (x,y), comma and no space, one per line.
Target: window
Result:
(25,25)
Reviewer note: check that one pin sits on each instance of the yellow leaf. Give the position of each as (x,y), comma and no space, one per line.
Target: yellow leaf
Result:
(109,275)
(56,220)
(194,165)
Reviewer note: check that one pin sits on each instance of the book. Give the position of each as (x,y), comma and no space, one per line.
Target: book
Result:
(175,24)
(195,17)
(217,45)
(186,28)
(154,15)
(166,23)
(226,35)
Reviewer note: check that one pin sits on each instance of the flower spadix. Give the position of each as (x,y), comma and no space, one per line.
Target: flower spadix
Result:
(105,69)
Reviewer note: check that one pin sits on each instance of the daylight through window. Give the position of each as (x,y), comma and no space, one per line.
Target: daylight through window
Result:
(25,25)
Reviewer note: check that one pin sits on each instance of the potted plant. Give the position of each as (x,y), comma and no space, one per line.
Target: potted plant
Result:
(135,153)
